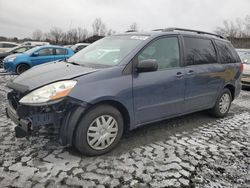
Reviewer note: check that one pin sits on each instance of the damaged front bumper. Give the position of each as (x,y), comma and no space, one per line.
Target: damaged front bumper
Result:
(30,118)
(23,126)
(27,120)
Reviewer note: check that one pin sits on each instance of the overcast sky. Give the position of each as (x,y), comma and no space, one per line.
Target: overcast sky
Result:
(21,17)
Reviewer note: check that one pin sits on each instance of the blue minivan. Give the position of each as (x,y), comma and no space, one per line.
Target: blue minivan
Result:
(18,63)
(125,81)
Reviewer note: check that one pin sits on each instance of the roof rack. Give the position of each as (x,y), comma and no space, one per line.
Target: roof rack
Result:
(190,30)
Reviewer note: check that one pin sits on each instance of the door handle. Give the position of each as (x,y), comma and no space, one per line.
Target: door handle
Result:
(190,72)
(179,74)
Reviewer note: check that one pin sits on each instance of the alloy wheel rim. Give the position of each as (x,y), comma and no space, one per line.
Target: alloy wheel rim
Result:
(102,132)
(224,103)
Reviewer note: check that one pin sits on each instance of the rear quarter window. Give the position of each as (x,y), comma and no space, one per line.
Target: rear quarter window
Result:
(227,52)
(61,51)
(199,51)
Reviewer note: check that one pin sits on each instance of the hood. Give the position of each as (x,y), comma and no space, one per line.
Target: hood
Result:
(47,73)
(15,55)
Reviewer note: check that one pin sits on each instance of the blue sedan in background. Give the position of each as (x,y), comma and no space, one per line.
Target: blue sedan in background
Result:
(18,63)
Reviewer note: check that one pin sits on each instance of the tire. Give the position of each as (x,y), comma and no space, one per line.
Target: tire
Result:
(22,68)
(1,62)
(91,139)
(219,110)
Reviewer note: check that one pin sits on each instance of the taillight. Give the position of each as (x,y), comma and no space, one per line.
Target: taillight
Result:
(241,67)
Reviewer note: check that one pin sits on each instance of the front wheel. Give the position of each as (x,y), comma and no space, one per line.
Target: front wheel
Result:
(22,68)
(223,104)
(99,130)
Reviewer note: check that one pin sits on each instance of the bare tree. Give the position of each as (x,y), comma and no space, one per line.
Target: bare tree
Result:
(228,29)
(72,36)
(235,29)
(82,34)
(55,34)
(110,32)
(99,27)
(37,35)
(133,27)
(247,25)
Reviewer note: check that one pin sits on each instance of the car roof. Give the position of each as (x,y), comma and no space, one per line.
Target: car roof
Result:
(78,44)
(8,42)
(52,46)
(178,31)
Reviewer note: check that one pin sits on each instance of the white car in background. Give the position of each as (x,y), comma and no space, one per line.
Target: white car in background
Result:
(245,57)
(5,46)
(79,46)
(35,43)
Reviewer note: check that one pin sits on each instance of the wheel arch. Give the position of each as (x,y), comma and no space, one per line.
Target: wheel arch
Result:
(231,89)
(73,116)
(119,106)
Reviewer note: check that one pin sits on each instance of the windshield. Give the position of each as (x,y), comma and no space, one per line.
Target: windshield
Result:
(107,52)
(32,50)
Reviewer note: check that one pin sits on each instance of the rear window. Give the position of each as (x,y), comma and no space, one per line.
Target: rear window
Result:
(199,51)
(227,52)
(61,51)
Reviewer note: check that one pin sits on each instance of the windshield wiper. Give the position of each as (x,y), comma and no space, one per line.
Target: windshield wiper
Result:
(74,63)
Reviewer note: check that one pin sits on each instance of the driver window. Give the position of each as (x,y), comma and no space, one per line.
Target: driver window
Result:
(165,51)
(45,52)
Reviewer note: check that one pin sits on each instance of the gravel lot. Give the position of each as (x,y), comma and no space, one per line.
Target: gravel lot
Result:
(191,151)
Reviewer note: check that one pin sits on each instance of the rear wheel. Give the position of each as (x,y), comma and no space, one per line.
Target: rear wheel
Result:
(22,68)
(223,104)
(99,131)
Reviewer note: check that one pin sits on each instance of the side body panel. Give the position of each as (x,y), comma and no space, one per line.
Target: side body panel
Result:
(203,83)
(106,85)
(158,95)
(41,59)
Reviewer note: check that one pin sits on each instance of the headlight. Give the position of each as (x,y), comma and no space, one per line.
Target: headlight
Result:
(11,59)
(48,93)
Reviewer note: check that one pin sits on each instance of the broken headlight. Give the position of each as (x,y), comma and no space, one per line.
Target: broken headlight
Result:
(49,93)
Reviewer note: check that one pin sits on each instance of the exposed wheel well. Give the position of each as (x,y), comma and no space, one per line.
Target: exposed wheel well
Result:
(122,110)
(232,90)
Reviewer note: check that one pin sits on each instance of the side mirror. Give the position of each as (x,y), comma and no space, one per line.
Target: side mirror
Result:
(35,54)
(148,65)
